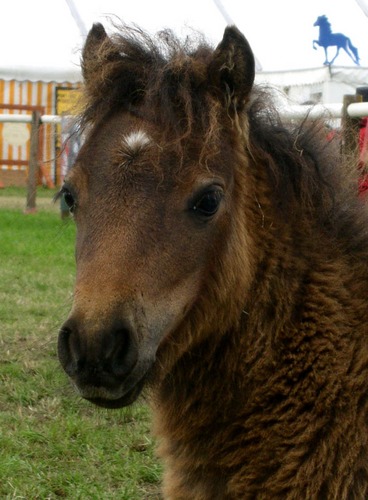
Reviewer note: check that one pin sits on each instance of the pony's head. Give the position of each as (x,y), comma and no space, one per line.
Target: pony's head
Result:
(157,196)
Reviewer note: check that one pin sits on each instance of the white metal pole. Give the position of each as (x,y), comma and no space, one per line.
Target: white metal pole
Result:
(230,22)
(77,18)
(363,4)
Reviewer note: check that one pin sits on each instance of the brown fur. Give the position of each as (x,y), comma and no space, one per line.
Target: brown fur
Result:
(260,382)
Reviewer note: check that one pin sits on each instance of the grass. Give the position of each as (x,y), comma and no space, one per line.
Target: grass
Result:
(54,445)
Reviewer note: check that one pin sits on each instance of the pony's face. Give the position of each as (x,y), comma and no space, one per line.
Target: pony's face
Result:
(151,217)
(147,232)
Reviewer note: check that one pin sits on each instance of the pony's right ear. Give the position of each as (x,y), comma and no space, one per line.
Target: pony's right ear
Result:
(96,36)
(99,52)
(232,70)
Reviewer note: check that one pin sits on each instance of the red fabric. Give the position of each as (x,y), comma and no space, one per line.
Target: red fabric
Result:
(363,160)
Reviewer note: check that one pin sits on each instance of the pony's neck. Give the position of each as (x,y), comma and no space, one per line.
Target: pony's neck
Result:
(196,387)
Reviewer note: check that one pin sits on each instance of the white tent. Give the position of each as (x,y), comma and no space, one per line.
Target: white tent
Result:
(326,84)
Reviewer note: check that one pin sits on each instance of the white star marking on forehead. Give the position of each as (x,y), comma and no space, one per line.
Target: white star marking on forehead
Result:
(136,140)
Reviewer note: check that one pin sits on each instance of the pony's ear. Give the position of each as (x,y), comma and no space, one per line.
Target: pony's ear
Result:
(232,69)
(96,36)
(111,71)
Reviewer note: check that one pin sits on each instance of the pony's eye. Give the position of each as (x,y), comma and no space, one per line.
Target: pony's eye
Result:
(208,203)
(68,199)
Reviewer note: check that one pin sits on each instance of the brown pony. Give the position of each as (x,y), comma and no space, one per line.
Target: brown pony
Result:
(222,262)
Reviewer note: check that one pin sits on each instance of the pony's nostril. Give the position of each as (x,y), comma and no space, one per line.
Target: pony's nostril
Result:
(94,356)
(121,354)
(64,348)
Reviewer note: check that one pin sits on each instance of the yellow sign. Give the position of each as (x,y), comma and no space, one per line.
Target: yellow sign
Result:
(68,101)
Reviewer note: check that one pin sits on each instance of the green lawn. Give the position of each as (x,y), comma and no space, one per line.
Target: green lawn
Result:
(52,444)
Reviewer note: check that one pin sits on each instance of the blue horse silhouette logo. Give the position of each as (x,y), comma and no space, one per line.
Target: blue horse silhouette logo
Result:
(328,39)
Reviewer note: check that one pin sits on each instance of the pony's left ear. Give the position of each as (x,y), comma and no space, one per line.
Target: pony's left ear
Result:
(232,69)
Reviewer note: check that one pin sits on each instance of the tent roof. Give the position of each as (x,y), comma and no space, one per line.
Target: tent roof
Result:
(343,74)
(71,74)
